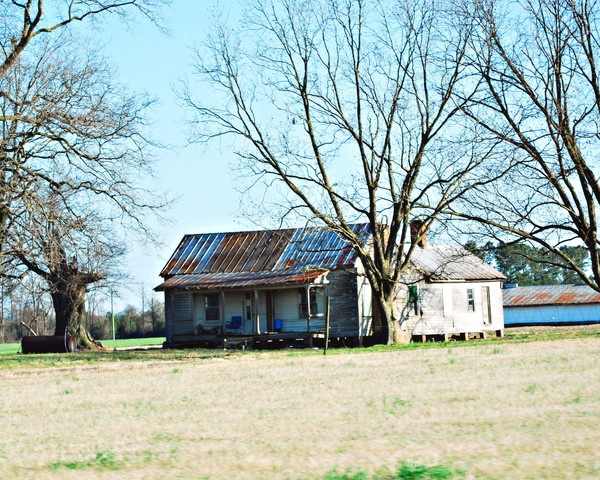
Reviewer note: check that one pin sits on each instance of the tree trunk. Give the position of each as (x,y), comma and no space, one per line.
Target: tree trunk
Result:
(69,307)
(386,327)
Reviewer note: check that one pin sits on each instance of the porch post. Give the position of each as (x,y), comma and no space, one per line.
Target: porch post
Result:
(222,309)
(256,311)
(308,314)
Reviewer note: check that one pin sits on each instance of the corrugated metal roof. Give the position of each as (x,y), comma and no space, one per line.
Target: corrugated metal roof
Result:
(550,295)
(238,280)
(443,262)
(291,251)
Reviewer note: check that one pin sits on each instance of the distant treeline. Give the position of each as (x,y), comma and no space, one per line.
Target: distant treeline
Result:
(528,265)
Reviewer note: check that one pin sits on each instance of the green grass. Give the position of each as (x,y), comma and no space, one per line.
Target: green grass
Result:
(405,471)
(9,348)
(133,342)
(102,461)
(50,360)
(14,348)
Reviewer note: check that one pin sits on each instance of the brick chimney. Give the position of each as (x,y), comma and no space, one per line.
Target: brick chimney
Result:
(418,233)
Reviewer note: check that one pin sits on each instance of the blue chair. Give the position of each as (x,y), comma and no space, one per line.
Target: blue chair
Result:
(235,323)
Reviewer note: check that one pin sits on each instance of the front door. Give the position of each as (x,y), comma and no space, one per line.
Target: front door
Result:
(485,305)
(248,317)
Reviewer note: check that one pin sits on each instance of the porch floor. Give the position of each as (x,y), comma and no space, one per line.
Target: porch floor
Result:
(242,341)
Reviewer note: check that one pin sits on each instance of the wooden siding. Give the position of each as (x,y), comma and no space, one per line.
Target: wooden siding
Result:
(186,311)
(235,307)
(344,308)
(286,308)
(168,317)
(183,323)
(232,306)
(443,308)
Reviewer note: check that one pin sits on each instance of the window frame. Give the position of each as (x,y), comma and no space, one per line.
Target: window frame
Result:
(212,306)
(470,300)
(303,304)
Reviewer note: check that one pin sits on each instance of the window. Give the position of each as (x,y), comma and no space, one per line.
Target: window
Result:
(211,306)
(303,307)
(470,300)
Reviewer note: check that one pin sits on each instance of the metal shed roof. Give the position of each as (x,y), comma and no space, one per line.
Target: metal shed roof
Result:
(443,262)
(238,259)
(549,295)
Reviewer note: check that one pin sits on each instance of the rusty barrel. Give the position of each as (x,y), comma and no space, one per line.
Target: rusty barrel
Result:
(48,344)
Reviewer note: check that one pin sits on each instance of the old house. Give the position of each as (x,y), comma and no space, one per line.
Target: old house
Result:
(450,292)
(551,305)
(272,282)
(275,284)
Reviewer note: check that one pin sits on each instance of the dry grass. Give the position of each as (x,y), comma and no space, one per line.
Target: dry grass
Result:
(529,410)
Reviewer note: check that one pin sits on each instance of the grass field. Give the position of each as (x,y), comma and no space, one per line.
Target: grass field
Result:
(12,348)
(507,409)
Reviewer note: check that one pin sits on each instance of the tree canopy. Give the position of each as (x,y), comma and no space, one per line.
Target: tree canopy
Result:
(347,108)
(538,103)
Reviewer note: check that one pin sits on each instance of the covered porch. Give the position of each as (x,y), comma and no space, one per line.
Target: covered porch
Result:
(225,308)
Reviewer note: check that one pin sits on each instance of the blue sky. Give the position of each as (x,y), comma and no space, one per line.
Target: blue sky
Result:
(200,177)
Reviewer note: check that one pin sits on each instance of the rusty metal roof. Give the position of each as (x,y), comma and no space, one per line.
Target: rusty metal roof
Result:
(258,258)
(443,263)
(549,295)
(238,280)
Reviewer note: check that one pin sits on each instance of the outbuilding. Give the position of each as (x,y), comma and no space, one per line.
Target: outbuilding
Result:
(551,305)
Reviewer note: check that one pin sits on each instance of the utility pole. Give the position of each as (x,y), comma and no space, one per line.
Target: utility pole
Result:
(143,309)
(112,311)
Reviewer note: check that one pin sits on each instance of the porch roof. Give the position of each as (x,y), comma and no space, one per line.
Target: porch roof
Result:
(212,281)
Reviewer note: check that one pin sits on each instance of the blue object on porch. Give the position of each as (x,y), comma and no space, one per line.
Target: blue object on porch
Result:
(277,325)
(235,324)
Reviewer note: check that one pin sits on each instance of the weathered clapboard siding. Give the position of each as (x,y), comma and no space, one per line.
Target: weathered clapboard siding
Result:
(444,308)
(234,306)
(343,294)
(286,307)
(168,317)
(183,322)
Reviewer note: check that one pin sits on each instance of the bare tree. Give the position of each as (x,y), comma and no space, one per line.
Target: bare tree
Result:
(70,253)
(56,146)
(22,22)
(73,149)
(539,101)
(346,108)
